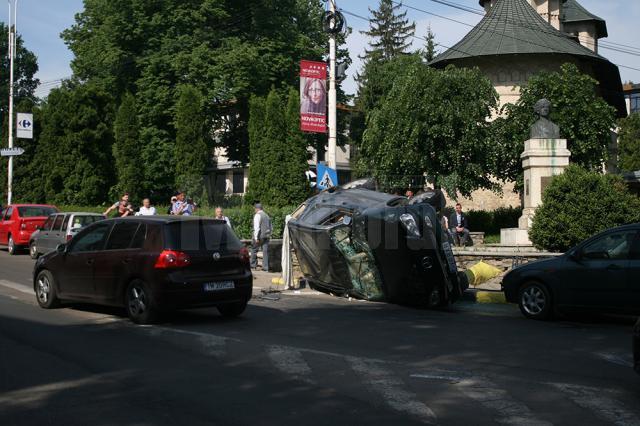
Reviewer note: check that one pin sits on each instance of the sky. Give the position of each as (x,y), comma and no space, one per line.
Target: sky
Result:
(40,23)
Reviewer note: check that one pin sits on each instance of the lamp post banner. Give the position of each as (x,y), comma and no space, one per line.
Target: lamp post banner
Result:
(313,96)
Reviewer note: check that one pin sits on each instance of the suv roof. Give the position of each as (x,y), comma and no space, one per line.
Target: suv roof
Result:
(163,219)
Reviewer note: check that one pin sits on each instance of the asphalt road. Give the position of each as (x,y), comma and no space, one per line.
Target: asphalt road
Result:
(308,359)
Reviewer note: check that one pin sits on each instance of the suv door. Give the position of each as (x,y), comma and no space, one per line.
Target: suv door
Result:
(113,264)
(599,278)
(633,279)
(78,270)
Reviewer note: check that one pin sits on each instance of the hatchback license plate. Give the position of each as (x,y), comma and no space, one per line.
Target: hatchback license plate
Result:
(217,286)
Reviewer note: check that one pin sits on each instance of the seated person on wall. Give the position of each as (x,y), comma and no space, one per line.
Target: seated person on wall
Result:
(459,227)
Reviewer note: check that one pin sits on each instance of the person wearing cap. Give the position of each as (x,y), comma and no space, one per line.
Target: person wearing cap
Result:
(260,239)
(173,201)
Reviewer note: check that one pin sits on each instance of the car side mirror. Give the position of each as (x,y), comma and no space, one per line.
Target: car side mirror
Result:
(61,248)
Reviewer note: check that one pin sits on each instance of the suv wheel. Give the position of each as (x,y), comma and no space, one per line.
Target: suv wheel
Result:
(139,303)
(11,246)
(232,310)
(33,250)
(535,301)
(46,290)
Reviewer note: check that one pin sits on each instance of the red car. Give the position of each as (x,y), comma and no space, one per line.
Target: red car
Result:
(19,221)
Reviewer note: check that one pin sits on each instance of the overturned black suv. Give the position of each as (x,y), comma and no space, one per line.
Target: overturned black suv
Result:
(375,246)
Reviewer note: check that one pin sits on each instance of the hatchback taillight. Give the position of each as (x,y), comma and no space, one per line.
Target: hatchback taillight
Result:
(244,255)
(69,237)
(172,259)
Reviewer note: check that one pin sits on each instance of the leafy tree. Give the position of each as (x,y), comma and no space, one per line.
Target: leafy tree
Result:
(24,69)
(578,204)
(390,31)
(75,145)
(585,120)
(629,138)
(432,122)
(429,52)
(192,152)
(129,168)
(258,162)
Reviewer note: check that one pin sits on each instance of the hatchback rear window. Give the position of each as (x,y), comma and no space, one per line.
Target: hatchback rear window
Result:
(82,221)
(36,211)
(200,235)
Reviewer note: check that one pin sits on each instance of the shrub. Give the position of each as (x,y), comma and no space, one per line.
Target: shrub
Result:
(490,222)
(578,204)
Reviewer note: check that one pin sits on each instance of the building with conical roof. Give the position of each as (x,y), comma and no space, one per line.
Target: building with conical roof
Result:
(519,38)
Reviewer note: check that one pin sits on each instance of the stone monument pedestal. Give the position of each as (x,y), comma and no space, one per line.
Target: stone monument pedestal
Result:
(541,160)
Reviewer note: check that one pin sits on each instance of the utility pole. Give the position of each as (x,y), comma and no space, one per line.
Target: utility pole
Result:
(331,154)
(13,13)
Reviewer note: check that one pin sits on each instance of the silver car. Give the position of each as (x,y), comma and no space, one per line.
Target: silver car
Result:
(59,228)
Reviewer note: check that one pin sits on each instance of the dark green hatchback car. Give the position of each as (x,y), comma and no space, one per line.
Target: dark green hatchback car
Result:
(601,274)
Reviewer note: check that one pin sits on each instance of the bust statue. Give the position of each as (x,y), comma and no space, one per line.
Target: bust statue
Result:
(544,128)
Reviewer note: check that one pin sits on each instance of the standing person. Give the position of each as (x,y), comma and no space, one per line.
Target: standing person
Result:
(459,227)
(181,207)
(261,235)
(173,201)
(220,216)
(124,207)
(147,209)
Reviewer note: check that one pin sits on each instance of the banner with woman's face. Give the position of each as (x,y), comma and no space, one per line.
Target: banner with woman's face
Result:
(313,96)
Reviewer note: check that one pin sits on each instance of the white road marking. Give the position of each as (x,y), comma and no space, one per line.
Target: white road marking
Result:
(488,394)
(18,287)
(290,361)
(392,389)
(596,400)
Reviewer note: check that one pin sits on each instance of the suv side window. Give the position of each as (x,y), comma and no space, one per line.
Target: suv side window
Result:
(65,224)
(141,235)
(47,224)
(58,223)
(616,246)
(92,240)
(122,235)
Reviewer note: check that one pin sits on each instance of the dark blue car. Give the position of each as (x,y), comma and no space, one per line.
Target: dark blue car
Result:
(601,274)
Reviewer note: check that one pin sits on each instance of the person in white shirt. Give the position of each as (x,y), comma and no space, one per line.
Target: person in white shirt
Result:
(220,216)
(147,209)
(260,238)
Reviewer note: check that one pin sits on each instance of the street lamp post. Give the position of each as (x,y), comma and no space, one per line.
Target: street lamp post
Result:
(13,13)
(331,154)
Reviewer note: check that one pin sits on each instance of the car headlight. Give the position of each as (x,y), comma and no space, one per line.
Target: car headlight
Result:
(410,225)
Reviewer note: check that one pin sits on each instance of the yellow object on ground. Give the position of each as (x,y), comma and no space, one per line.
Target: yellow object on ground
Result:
(481,272)
(490,297)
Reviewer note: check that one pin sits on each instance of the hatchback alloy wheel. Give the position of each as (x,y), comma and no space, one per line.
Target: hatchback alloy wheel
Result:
(46,291)
(139,303)
(535,301)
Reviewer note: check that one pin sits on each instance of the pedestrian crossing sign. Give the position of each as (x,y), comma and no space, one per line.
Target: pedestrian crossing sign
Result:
(327,177)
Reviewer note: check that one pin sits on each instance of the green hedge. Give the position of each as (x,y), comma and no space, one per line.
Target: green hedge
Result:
(490,222)
(241,217)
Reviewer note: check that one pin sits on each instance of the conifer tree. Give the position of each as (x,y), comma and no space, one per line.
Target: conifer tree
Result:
(191,153)
(126,150)
(256,160)
(298,188)
(429,52)
(390,31)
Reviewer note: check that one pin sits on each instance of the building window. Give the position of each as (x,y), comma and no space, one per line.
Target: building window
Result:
(221,183)
(238,182)
(635,103)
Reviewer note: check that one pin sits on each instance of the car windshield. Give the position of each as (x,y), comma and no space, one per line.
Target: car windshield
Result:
(82,221)
(199,235)
(36,211)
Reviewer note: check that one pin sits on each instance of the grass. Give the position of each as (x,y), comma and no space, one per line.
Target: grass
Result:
(492,239)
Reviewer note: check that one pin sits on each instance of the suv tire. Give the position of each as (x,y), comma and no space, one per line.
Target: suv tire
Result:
(139,304)
(45,287)
(534,300)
